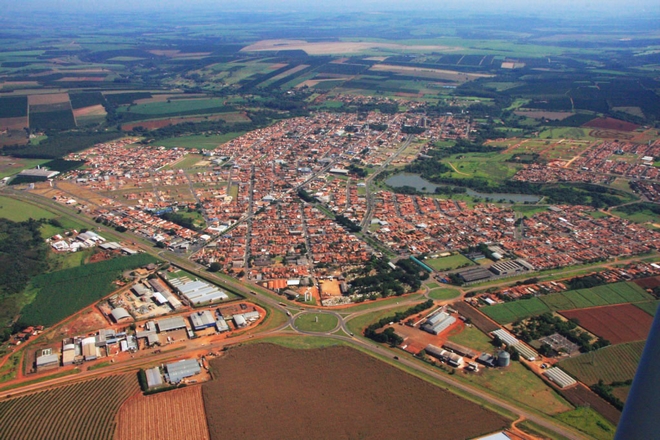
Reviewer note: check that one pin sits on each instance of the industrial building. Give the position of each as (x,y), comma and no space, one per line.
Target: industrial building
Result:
(239,321)
(558,376)
(202,320)
(169,324)
(437,322)
(89,349)
(459,349)
(154,378)
(446,356)
(221,325)
(178,371)
(198,292)
(514,343)
(47,360)
(120,314)
(475,274)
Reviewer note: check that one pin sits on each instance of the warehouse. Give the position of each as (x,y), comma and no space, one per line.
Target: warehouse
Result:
(202,320)
(120,314)
(47,361)
(89,349)
(221,325)
(476,274)
(514,343)
(178,371)
(154,378)
(459,349)
(169,324)
(451,358)
(198,292)
(141,290)
(239,321)
(438,322)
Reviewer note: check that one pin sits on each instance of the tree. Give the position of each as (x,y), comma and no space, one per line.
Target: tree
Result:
(215,267)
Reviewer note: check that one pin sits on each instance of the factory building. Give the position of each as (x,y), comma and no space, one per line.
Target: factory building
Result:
(198,292)
(120,314)
(178,371)
(514,343)
(169,324)
(154,378)
(202,320)
(221,325)
(47,360)
(446,356)
(437,322)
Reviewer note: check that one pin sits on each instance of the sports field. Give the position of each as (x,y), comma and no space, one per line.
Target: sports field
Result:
(448,263)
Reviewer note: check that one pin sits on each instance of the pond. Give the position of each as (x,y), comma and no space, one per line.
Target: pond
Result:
(423,185)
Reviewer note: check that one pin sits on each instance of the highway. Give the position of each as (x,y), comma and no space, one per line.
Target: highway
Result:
(287,328)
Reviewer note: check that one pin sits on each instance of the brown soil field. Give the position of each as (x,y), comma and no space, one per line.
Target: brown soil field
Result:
(18,123)
(611,124)
(580,395)
(480,321)
(648,283)
(94,110)
(160,123)
(610,134)
(314,82)
(538,114)
(336,47)
(430,73)
(265,391)
(53,98)
(617,324)
(172,415)
(84,410)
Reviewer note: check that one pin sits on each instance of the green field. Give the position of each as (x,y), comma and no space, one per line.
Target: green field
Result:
(62,293)
(308,322)
(650,307)
(19,211)
(442,293)
(177,106)
(615,363)
(617,293)
(208,142)
(590,422)
(473,338)
(448,263)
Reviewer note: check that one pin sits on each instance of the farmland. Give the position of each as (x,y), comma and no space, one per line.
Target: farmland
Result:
(617,293)
(383,401)
(62,293)
(581,396)
(620,323)
(173,415)
(590,422)
(66,412)
(616,363)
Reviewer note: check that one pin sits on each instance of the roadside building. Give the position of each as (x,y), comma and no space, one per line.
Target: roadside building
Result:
(446,356)
(154,378)
(221,325)
(170,324)
(90,351)
(437,322)
(120,314)
(239,321)
(201,320)
(178,371)
(47,361)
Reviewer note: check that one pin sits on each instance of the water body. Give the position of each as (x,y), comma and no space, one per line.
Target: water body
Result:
(423,185)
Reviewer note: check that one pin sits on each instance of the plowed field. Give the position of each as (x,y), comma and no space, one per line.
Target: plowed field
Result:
(171,415)
(617,324)
(266,391)
(583,396)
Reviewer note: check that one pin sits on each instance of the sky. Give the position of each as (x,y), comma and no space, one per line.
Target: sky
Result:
(555,8)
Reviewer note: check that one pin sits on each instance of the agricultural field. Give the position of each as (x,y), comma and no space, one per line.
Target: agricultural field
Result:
(617,324)
(176,107)
(382,400)
(478,319)
(617,293)
(590,422)
(174,415)
(472,338)
(448,263)
(66,412)
(615,363)
(62,293)
(581,396)
(650,307)
(152,124)
(19,211)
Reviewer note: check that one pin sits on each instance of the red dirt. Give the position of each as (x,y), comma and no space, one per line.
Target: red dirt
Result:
(481,321)
(611,124)
(172,415)
(648,283)
(580,395)
(18,123)
(617,324)
(265,391)
(160,123)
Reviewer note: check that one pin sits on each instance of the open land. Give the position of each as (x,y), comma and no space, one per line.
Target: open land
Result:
(348,375)
(336,47)
(621,323)
(177,415)
(616,363)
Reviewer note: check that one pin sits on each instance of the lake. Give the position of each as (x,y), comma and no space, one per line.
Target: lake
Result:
(418,182)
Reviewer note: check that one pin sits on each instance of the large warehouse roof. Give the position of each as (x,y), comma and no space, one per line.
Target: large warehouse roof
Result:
(182,369)
(154,378)
(558,376)
(202,319)
(119,313)
(198,291)
(174,323)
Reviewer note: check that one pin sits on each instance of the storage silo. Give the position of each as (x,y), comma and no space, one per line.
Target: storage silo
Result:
(503,359)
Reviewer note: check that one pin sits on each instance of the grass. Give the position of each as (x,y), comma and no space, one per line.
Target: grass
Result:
(367,305)
(19,211)
(443,293)
(650,307)
(644,216)
(17,165)
(308,322)
(473,338)
(518,384)
(187,162)
(174,107)
(529,210)
(448,263)
(10,368)
(538,430)
(590,422)
(616,363)
(41,379)
(432,285)
(198,141)
(359,323)
(301,342)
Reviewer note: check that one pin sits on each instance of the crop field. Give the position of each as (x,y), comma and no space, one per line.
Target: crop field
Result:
(372,399)
(448,263)
(478,319)
(617,324)
(472,338)
(230,117)
(617,293)
(611,124)
(83,411)
(62,293)
(177,106)
(581,396)
(19,211)
(173,415)
(13,107)
(615,363)
(62,119)
(650,307)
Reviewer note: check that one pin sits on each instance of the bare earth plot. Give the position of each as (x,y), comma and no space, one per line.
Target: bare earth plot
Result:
(336,46)
(265,391)
(172,415)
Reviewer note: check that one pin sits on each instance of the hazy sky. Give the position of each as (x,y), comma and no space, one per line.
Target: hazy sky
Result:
(533,7)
